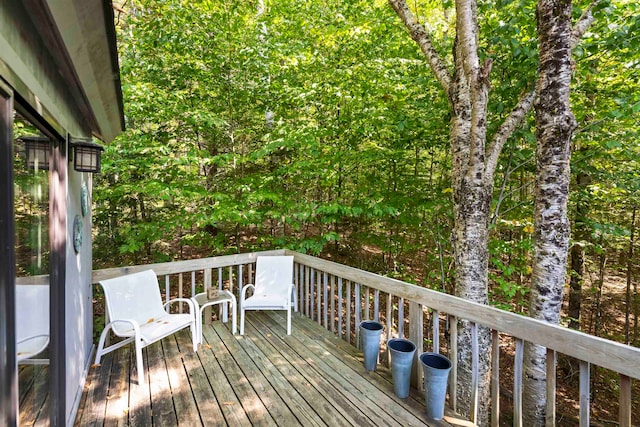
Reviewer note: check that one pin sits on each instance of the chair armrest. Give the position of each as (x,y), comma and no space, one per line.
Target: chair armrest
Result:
(294,296)
(32,337)
(133,323)
(189,301)
(243,293)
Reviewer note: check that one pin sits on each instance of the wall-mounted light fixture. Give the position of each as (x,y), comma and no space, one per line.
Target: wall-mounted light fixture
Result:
(37,149)
(86,155)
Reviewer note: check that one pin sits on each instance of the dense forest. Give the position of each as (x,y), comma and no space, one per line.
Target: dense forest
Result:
(327,127)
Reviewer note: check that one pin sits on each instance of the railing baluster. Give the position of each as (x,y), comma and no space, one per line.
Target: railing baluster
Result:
(207,285)
(400,317)
(550,418)
(166,288)
(348,303)
(416,336)
(358,314)
(300,287)
(495,378)
(453,356)
(517,383)
(585,400)
(376,305)
(180,292)
(389,315)
(220,281)
(306,291)
(625,401)
(435,315)
(367,304)
(312,293)
(318,298)
(340,311)
(193,283)
(474,372)
(325,292)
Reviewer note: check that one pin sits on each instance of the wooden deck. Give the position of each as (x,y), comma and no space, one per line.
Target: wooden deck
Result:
(263,378)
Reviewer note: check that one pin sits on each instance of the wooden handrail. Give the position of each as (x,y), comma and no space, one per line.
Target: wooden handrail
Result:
(608,354)
(186,266)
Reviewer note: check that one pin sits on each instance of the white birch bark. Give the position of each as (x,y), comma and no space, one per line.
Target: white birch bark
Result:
(554,128)
(473,169)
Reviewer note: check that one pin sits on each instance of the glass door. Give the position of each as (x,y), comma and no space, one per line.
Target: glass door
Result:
(32,250)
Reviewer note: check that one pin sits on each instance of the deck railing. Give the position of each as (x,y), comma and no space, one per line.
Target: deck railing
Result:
(338,297)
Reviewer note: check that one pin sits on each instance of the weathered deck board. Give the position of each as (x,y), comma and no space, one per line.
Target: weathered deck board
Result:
(265,378)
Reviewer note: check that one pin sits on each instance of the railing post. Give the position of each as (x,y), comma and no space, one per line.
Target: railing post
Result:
(585,399)
(625,401)
(416,336)
(550,418)
(475,366)
(495,378)
(517,383)
(453,356)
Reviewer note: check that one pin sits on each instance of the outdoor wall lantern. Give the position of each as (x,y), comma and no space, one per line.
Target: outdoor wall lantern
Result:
(86,155)
(37,149)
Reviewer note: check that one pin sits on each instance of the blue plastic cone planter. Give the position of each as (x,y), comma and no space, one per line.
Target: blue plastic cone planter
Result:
(370,339)
(436,369)
(402,353)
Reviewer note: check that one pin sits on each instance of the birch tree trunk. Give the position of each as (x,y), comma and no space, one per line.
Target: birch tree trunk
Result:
(554,128)
(473,168)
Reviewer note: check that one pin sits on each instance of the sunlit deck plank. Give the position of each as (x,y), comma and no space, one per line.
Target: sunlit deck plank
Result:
(380,407)
(323,394)
(205,399)
(262,378)
(118,396)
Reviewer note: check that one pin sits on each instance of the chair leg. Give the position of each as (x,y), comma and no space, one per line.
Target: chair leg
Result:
(233,317)
(103,337)
(138,344)
(289,321)
(195,337)
(241,321)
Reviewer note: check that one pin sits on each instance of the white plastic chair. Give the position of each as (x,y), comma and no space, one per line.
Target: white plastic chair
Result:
(134,310)
(32,322)
(273,288)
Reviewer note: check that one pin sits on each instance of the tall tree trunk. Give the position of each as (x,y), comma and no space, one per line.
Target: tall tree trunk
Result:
(629,276)
(577,253)
(473,168)
(554,128)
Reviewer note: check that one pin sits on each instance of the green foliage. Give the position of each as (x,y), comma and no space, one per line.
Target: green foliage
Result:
(317,126)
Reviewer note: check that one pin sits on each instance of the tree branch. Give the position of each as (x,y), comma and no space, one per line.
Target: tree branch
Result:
(510,124)
(582,24)
(423,39)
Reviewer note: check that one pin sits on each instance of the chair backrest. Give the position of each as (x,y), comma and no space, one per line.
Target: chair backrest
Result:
(134,297)
(32,311)
(274,274)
